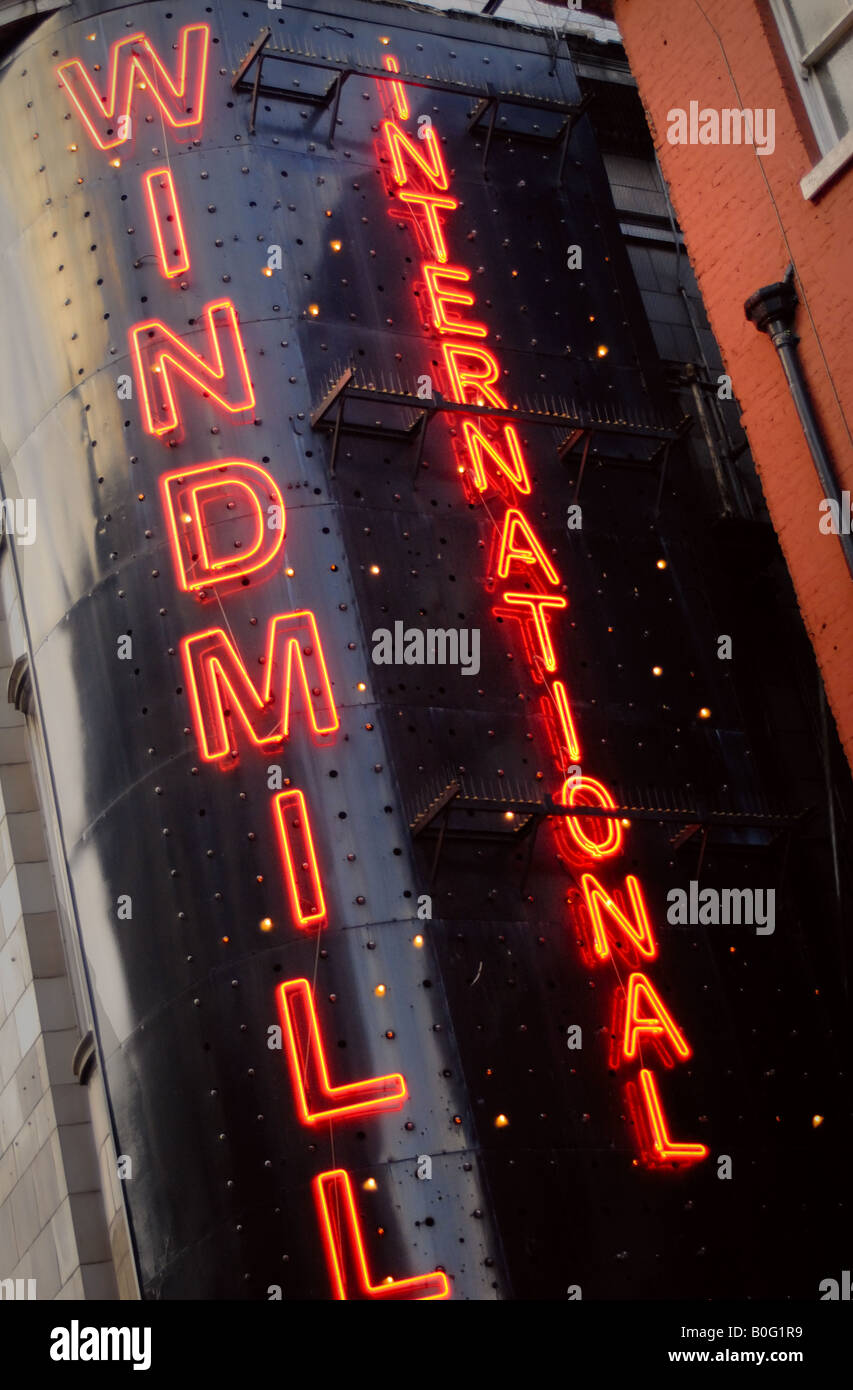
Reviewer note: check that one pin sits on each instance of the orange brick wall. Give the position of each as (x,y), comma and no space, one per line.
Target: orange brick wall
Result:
(738,241)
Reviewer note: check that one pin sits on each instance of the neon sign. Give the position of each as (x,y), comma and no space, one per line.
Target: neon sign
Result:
(223,697)
(472,376)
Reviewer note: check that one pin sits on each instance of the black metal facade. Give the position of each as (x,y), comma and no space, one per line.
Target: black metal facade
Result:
(182,993)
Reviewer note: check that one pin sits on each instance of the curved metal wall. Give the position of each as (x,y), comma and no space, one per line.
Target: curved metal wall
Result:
(219,1198)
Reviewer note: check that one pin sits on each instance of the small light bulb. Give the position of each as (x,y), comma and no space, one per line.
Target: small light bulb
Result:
(817,1121)
(374,569)
(501,1122)
(379,991)
(290,571)
(186,518)
(704,712)
(383,38)
(369,1185)
(361,686)
(336,245)
(661,564)
(313,310)
(602,350)
(116,163)
(657,670)
(266,270)
(72,148)
(509,815)
(265,924)
(417,941)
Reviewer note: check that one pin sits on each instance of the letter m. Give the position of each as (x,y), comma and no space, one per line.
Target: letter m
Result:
(158,353)
(223,694)
(134,62)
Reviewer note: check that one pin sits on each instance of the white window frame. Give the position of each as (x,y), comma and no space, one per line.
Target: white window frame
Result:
(836,151)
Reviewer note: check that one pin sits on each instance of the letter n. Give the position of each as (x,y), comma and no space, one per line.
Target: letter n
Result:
(222,691)
(158,353)
(134,65)
(428,159)
(485,456)
(604,910)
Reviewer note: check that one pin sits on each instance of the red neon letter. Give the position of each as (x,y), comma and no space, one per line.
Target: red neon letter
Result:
(156,350)
(429,159)
(666,1149)
(181,101)
(462,376)
(166,222)
(658,1023)
(303,874)
(513,468)
(345,1249)
(431,202)
(567,724)
(401,104)
(316,1098)
(220,685)
(575,788)
(638,932)
(189,498)
(537,603)
(441,294)
(530,554)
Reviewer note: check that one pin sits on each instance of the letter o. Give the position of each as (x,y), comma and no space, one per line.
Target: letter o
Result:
(586,791)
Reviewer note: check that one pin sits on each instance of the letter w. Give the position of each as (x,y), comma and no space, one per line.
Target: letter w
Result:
(181,101)
(222,691)
(157,352)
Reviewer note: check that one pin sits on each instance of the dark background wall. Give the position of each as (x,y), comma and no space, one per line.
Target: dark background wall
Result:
(183,993)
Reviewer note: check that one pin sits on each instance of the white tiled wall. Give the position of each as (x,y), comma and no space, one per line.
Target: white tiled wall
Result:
(62,1220)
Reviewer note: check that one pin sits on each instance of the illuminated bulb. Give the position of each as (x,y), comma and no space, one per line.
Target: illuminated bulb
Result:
(265,924)
(91,38)
(369,1185)
(501,1122)
(602,350)
(374,569)
(313,310)
(417,941)
(290,571)
(116,163)
(72,148)
(704,712)
(379,990)
(625,822)
(328,212)
(383,38)
(336,245)
(226,939)
(142,86)
(361,686)
(661,564)
(592,318)
(817,1120)
(514,274)
(460,468)
(509,815)
(657,670)
(186,518)
(266,270)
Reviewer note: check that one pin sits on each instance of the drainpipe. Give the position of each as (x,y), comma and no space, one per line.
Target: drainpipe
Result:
(772,310)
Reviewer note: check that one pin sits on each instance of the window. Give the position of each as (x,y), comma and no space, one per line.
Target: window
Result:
(818,36)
